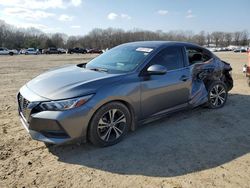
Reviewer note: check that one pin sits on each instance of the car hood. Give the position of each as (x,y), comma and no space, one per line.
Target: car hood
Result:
(69,82)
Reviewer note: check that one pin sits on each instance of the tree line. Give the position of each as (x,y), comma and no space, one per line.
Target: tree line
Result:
(15,38)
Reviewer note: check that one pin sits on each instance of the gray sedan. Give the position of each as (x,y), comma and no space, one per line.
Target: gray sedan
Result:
(131,84)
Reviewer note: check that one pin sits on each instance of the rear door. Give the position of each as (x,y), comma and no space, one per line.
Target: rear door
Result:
(162,92)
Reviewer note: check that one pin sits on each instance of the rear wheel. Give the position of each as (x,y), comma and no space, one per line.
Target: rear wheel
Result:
(109,124)
(217,95)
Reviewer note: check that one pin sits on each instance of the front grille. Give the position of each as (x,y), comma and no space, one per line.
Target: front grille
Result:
(24,106)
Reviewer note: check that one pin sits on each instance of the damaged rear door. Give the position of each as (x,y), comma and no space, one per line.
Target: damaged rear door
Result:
(201,65)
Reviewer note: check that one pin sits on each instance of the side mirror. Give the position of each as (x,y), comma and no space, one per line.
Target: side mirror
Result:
(156,70)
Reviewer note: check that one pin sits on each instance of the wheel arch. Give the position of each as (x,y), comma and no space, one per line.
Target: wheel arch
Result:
(124,102)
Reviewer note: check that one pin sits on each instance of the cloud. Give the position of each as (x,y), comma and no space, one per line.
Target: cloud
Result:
(41,4)
(112,16)
(125,16)
(162,12)
(76,3)
(34,25)
(36,9)
(41,27)
(34,4)
(26,13)
(65,18)
(190,14)
(75,26)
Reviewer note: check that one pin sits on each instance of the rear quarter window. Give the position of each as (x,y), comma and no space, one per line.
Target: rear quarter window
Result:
(197,55)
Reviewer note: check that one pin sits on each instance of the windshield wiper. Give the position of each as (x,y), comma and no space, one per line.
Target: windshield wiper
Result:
(99,69)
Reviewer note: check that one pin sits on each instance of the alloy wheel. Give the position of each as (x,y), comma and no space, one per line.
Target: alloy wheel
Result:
(218,95)
(111,125)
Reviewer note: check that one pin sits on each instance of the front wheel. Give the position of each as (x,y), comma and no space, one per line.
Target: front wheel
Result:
(109,124)
(217,95)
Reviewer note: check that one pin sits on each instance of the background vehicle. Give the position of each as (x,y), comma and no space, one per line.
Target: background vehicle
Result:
(31,51)
(39,50)
(5,51)
(130,84)
(241,50)
(62,51)
(95,51)
(51,50)
(22,51)
(77,50)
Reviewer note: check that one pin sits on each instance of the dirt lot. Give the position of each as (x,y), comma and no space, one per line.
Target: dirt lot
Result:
(197,148)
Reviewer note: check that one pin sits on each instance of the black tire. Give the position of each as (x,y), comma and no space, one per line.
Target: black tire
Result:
(103,131)
(11,53)
(48,145)
(217,95)
(26,53)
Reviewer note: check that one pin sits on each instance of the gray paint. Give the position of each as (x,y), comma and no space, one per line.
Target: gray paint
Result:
(147,95)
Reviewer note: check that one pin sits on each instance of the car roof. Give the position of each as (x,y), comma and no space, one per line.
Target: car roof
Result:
(158,44)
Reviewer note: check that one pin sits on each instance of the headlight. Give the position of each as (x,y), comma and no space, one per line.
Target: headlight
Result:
(65,104)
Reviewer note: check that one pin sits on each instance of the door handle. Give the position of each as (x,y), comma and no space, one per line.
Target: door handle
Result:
(184,78)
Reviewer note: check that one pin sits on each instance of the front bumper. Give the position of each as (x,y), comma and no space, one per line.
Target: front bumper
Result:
(56,127)
(40,137)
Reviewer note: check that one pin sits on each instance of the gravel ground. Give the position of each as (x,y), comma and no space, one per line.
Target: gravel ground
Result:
(195,148)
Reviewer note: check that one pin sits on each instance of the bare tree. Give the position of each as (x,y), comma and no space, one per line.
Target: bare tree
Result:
(244,38)
(237,36)
(57,40)
(228,38)
(218,38)
(12,37)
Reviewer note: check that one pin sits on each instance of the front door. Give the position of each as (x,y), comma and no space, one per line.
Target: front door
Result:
(162,92)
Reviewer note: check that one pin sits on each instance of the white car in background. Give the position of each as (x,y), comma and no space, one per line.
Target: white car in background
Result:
(62,51)
(22,51)
(32,51)
(5,51)
(212,49)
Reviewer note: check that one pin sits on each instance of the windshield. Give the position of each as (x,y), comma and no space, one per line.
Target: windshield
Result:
(120,59)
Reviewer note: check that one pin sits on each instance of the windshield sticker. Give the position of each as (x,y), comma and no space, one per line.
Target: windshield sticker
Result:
(146,50)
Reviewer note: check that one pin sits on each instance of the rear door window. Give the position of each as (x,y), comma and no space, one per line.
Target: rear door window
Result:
(170,57)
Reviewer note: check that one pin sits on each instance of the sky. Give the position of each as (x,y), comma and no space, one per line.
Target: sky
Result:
(78,17)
